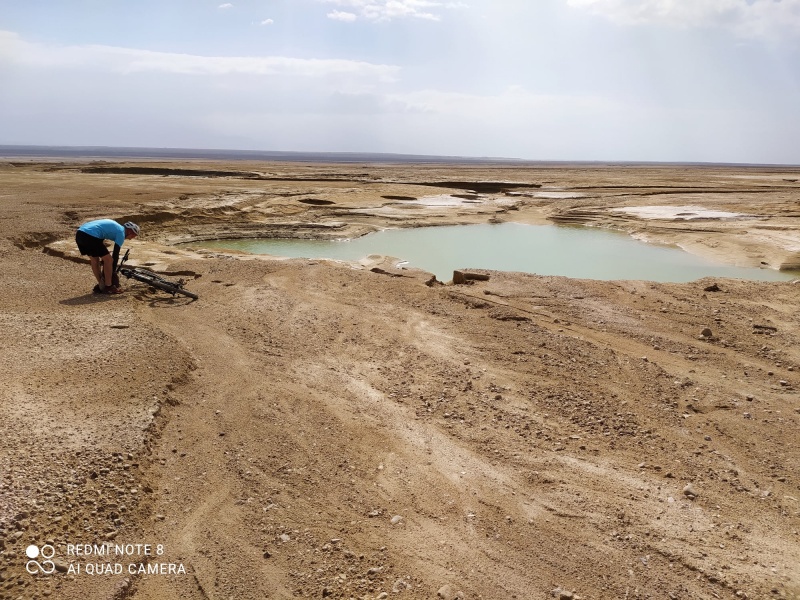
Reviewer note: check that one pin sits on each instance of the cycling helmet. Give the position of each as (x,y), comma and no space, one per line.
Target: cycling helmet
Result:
(132,226)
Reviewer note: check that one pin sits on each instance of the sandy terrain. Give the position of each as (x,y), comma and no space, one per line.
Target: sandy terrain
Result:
(320,429)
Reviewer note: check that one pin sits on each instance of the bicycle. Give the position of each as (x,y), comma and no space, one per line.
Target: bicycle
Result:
(153,279)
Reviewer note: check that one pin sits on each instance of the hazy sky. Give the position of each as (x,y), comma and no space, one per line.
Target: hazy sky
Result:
(669,80)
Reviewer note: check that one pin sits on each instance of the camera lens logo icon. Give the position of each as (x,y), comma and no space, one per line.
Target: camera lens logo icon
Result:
(47,566)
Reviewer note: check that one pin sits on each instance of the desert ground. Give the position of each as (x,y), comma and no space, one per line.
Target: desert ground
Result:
(321,429)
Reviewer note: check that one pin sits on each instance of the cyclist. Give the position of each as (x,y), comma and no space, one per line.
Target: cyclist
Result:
(91,237)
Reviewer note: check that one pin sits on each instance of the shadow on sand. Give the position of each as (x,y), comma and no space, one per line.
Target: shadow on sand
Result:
(86,299)
(153,300)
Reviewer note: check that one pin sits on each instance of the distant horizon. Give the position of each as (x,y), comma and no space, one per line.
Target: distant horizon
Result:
(11,151)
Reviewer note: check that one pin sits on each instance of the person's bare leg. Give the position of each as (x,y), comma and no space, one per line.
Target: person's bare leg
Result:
(107,268)
(95,262)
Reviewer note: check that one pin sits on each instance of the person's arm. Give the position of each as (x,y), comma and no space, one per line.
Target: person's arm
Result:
(115,257)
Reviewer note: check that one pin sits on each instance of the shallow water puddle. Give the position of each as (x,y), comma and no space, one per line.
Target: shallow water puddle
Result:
(578,252)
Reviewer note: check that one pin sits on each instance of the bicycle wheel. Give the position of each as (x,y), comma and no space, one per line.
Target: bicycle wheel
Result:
(176,289)
(172,288)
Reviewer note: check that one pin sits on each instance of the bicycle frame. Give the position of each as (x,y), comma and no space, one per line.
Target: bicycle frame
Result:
(153,279)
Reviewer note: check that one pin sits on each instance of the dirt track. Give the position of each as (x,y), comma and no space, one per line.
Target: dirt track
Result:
(316,429)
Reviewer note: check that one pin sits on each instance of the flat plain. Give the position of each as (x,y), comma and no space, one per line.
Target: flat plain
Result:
(312,428)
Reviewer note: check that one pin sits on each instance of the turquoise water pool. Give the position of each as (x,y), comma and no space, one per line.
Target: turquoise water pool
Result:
(578,252)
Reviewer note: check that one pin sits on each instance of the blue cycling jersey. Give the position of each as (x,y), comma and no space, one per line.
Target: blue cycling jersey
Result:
(105,229)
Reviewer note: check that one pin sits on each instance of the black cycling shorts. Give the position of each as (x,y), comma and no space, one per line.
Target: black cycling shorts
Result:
(90,245)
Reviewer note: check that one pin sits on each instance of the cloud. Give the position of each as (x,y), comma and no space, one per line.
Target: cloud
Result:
(746,18)
(267,22)
(16,51)
(514,100)
(226,5)
(387,10)
(338,15)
